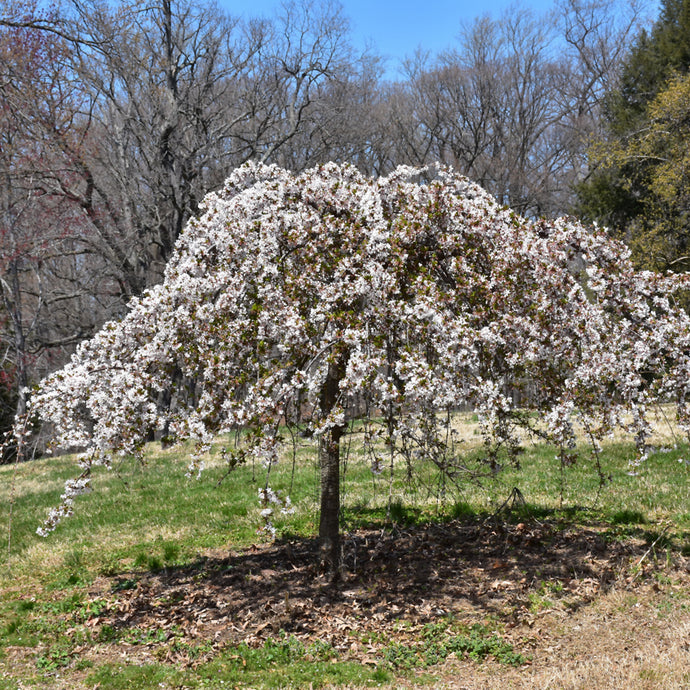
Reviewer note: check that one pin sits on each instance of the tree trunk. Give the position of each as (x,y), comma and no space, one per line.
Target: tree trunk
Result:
(13,305)
(329,524)
(329,461)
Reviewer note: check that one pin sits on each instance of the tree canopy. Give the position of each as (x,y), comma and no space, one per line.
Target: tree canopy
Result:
(326,296)
(654,168)
(629,188)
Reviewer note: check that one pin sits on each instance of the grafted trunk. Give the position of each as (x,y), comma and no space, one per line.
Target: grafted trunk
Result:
(329,462)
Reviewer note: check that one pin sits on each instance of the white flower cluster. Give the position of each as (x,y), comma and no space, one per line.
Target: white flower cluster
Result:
(426,295)
(272,500)
(73,488)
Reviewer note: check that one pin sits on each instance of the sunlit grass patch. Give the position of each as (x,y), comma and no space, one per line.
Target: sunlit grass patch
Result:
(135,508)
(118,676)
(288,662)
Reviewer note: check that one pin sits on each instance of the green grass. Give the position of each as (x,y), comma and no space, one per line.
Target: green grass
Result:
(152,517)
(116,676)
(286,662)
(141,519)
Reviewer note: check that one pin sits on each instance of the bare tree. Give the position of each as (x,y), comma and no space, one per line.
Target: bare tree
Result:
(340,125)
(157,129)
(511,105)
(291,92)
(597,36)
(44,261)
(179,95)
(487,107)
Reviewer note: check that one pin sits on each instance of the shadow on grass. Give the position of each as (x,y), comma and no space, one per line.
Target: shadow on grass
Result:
(403,575)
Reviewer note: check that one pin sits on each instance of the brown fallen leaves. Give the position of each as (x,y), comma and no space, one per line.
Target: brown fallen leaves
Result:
(393,583)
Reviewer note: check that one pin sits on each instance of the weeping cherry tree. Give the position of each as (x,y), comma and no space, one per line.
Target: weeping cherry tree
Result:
(327,296)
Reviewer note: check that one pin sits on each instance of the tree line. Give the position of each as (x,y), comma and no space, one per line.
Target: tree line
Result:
(115,120)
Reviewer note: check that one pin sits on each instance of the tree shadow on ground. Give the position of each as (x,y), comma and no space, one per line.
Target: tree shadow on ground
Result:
(391,578)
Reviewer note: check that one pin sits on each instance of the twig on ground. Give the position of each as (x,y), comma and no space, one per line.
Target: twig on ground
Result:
(647,552)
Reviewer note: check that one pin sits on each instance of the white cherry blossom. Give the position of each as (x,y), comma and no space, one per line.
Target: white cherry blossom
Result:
(418,288)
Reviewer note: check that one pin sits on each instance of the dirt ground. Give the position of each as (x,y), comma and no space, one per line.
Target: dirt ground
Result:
(586,609)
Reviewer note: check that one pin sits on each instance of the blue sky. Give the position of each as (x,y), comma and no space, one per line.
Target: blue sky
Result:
(397,27)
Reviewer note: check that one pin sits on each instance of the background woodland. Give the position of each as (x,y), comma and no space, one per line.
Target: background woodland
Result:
(116,120)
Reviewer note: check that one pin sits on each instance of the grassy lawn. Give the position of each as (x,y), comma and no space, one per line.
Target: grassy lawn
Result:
(162,581)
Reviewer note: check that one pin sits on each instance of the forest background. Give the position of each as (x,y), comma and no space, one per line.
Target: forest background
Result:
(116,120)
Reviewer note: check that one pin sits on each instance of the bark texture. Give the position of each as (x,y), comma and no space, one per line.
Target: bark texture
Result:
(329,462)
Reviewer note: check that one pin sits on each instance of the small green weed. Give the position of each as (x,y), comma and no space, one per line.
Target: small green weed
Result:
(439,642)
(122,585)
(191,651)
(321,651)
(553,586)
(67,605)
(397,512)
(144,636)
(108,633)
(286,662)
(171,552)
(148,561)
(402,656)
(462,511)
(373,637)
(54,659)
(538,602)
(407,516)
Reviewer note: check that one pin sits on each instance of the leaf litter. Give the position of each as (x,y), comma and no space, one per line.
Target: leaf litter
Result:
(545,588)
